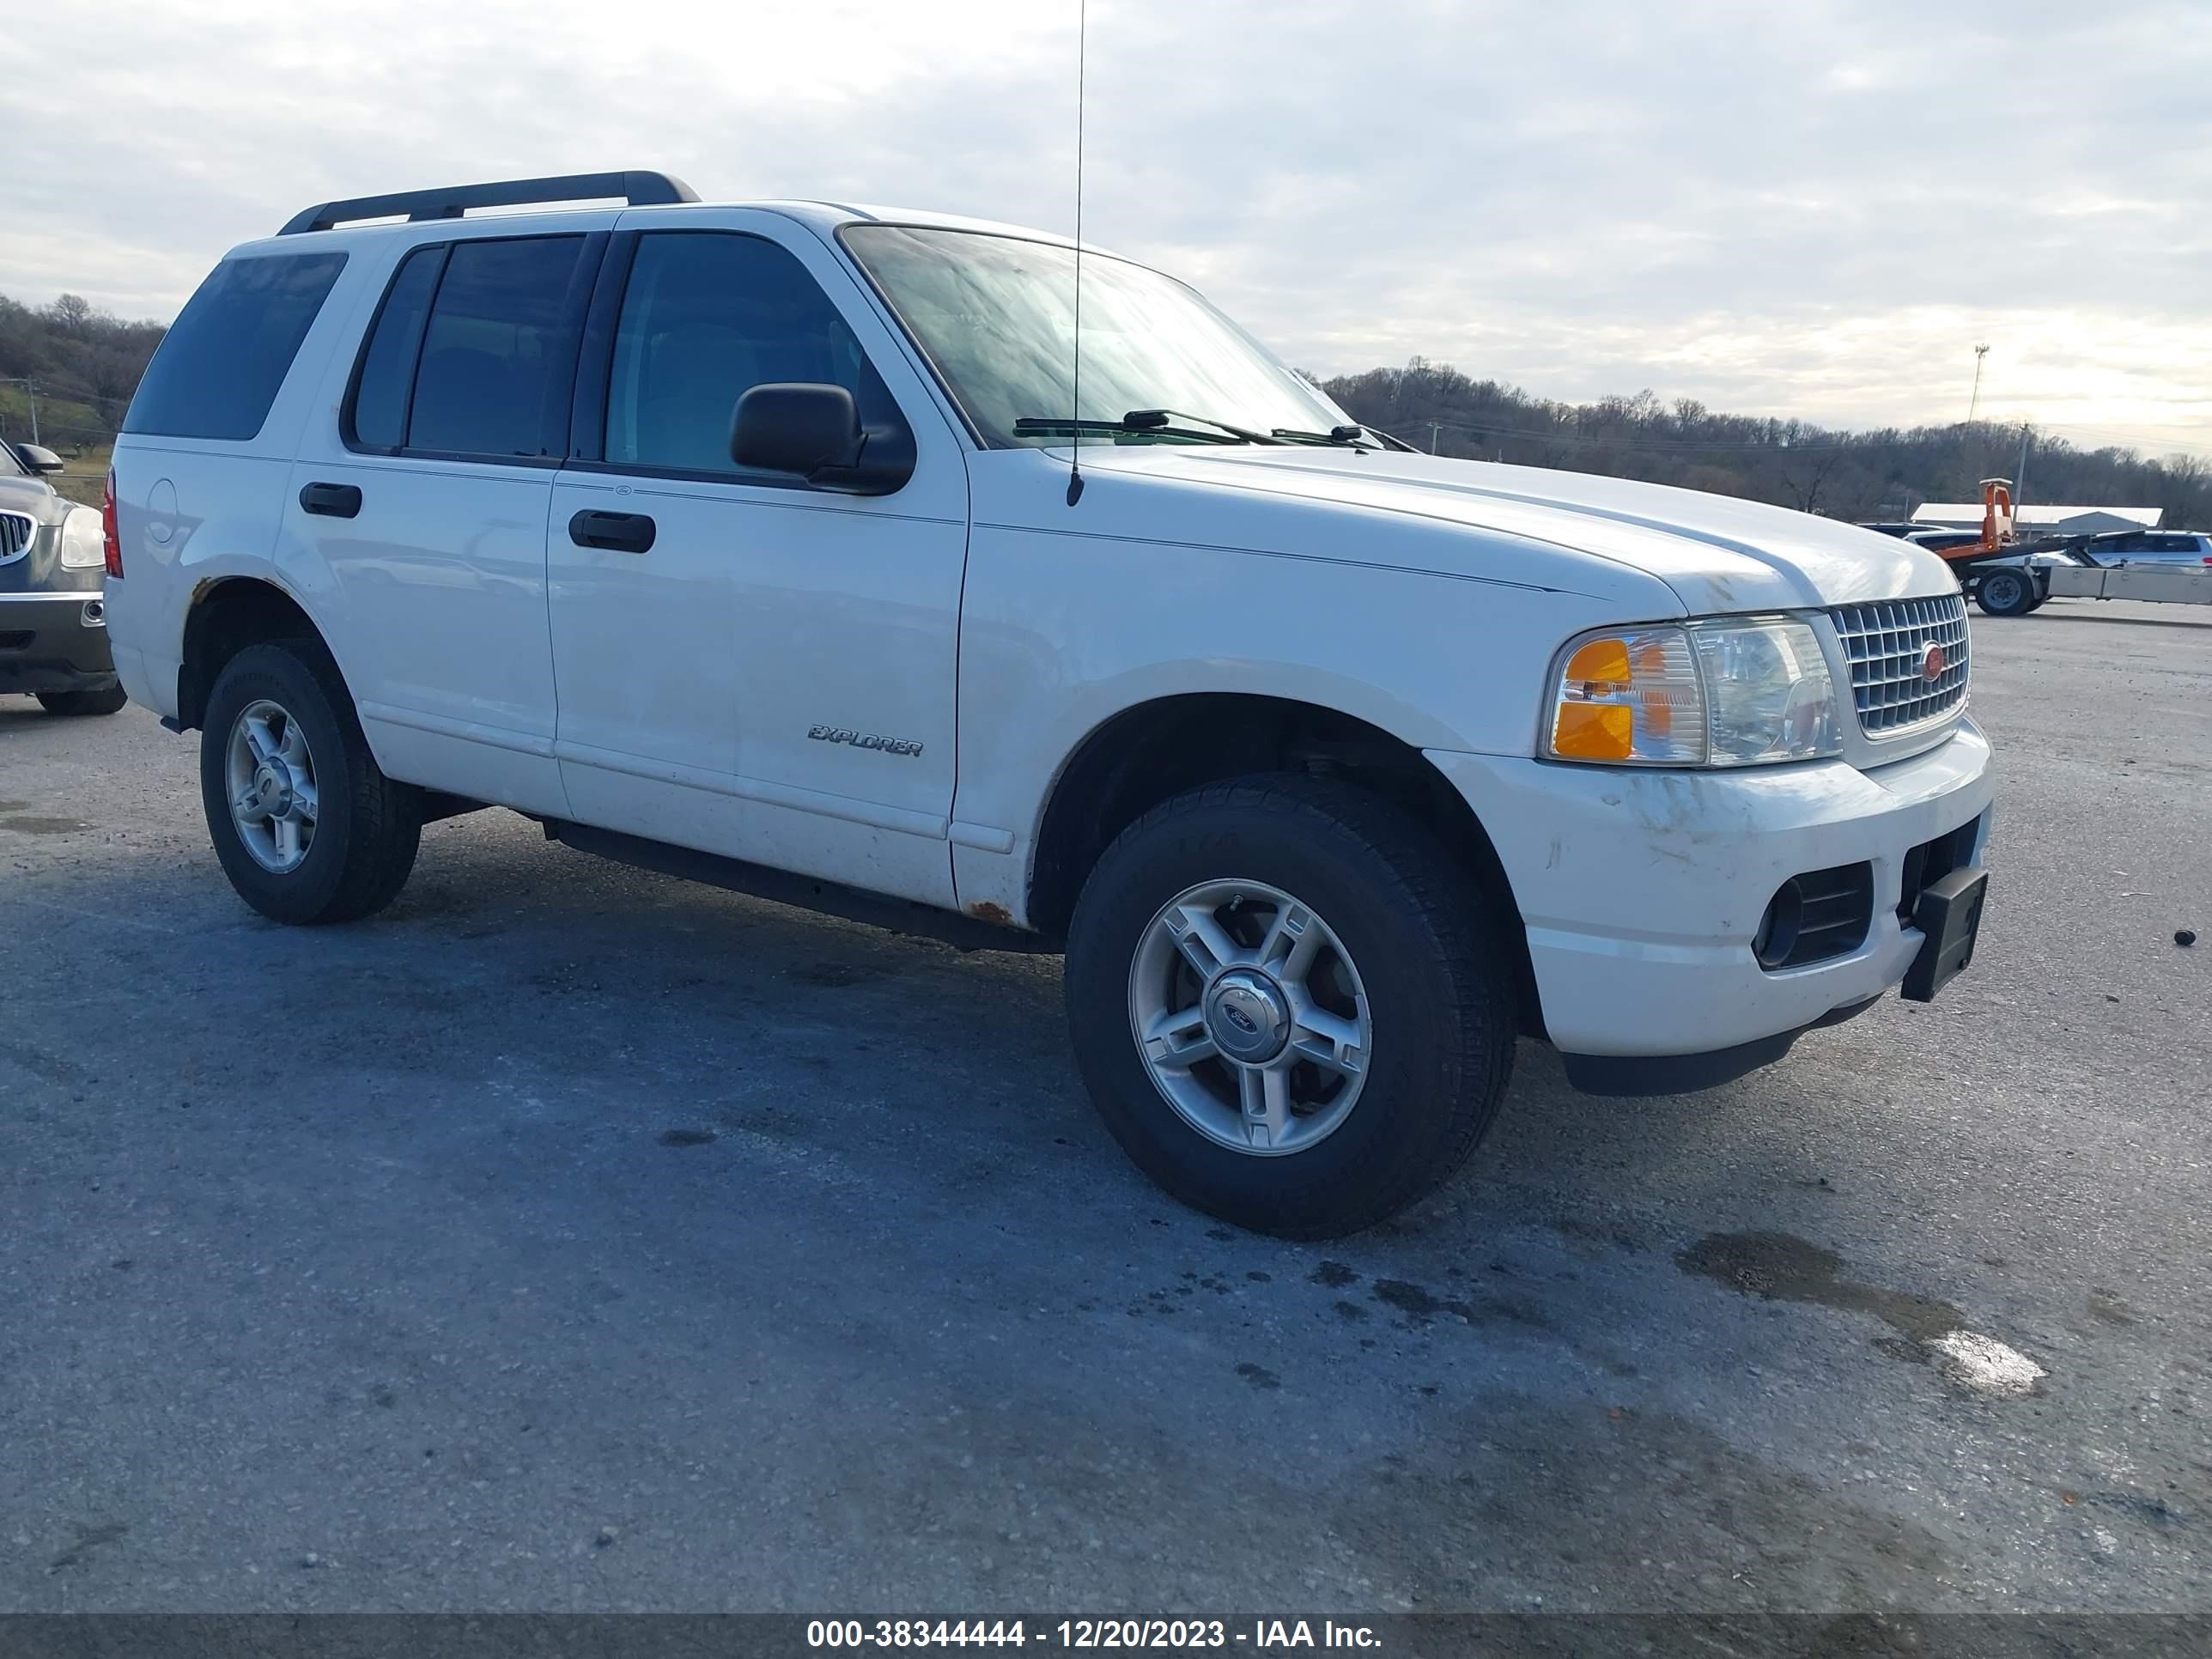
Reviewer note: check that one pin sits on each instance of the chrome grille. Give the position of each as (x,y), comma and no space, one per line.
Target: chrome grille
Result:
(16,532)
(1888,644)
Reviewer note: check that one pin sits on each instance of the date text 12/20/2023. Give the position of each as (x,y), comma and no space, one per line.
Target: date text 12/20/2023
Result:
(1123,1633)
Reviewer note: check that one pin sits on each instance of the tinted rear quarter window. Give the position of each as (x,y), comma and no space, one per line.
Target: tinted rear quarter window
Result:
(222,363)
(387,365)
(498,355)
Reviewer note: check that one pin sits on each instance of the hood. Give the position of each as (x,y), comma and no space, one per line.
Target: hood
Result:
(34,496)
(1717,553)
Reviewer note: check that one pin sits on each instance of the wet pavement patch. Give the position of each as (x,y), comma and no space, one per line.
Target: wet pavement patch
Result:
(686,1137)
(24,824)
(1782,1267)
(1335,1274)
(2107,1309)
(1420,1305)
(1259,1376)
(87,1540)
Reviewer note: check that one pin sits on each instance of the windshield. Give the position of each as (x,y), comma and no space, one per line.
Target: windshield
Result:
(10,466)
(996,314)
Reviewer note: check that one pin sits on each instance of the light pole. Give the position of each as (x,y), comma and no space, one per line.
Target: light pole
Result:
(30,391)
(1974,401)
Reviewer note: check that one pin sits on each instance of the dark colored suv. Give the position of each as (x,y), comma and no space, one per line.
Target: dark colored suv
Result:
(53,623)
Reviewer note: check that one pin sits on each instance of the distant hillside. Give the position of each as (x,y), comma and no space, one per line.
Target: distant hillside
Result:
(85,365)
(1882,474)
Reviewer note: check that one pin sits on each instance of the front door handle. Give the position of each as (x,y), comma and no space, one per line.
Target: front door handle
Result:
(618,533)
(330,500)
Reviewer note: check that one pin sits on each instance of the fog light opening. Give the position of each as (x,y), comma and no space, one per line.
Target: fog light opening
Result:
(1778,929)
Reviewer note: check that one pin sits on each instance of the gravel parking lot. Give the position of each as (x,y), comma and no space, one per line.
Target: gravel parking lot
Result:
(572,1238)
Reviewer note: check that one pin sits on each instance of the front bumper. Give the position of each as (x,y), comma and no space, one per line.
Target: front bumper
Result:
(54,641)
(1642,890)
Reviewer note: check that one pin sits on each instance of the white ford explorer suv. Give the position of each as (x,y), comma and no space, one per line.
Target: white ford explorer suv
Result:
(771,545)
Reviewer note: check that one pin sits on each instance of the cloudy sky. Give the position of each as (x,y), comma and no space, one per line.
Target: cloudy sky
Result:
(1782,207)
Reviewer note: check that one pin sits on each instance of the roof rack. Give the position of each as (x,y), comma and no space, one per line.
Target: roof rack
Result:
(638,189)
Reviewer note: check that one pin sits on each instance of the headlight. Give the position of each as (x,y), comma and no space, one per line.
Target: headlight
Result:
(81,542)
(1724,692)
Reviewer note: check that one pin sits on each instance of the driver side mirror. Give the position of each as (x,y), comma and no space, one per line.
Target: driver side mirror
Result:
(39,459)
(815,431)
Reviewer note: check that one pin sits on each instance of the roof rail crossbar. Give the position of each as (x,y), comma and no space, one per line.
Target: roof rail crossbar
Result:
(638,189)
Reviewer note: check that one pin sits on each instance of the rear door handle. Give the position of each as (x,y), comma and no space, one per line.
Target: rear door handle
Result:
(618,533)
(331,501)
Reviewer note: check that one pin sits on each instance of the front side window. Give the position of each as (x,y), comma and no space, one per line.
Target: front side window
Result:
(706,316)
(996,314)
(219,366)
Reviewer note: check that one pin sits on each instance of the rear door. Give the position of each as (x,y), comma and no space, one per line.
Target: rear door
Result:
(423,505)
(772,676)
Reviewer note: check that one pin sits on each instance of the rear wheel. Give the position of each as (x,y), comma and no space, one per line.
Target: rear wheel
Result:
(2008,594)
(307,827)
(107,701)
(1292,1009)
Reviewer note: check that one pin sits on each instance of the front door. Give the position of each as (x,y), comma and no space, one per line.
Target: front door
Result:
(744,664)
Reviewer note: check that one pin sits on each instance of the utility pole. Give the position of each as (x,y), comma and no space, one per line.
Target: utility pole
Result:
(1974,402)
(1435,427)
(2019,472)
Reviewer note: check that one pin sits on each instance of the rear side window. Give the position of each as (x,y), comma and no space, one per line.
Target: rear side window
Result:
(222,362)
(387,365)
(473,352)
(499,354)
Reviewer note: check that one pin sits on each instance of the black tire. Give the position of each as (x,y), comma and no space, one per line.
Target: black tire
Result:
(2007,594)
(109,700)
(1429,946)
(368,828)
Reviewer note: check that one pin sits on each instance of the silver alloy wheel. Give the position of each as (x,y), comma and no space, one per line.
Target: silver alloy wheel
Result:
(1251,1017)
(270,778)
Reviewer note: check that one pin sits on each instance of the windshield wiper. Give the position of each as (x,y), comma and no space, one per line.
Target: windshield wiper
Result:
(1145,422)
(1353,437)
(1156,419)
(1342,435)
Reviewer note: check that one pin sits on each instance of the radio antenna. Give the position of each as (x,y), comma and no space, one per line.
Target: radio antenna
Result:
(1075,435)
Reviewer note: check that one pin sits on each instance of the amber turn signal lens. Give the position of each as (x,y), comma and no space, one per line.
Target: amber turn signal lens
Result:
(1602,661)
(1598,731)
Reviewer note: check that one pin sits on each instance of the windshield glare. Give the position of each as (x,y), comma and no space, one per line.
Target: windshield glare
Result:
(996,314)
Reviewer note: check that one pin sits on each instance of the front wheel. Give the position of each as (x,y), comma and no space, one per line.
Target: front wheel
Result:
(306,825)
(1292,1008)
(2007,594)
(108,700)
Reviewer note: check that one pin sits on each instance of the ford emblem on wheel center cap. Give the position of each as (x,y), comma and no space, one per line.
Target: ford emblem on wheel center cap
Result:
(1247,1016)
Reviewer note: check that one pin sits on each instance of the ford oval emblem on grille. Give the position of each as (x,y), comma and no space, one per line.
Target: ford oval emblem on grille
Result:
(1932,665)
